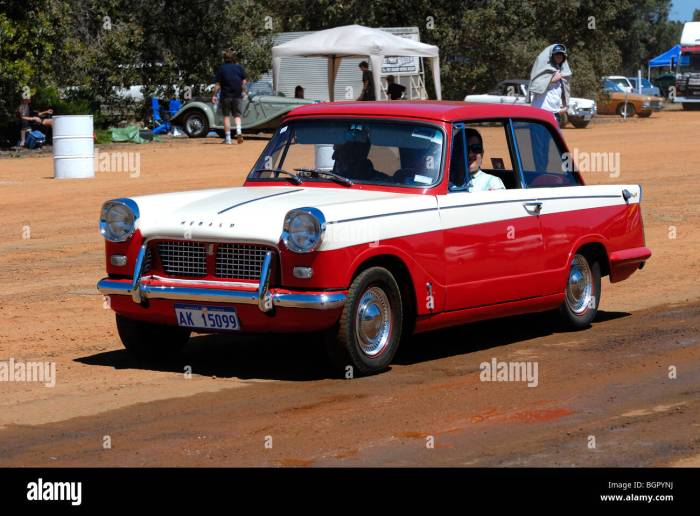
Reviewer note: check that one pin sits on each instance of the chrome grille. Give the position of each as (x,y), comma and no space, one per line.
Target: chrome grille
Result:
(242,261)
(183,258)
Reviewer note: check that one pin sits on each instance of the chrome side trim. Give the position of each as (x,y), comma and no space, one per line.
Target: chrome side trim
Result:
(323,301)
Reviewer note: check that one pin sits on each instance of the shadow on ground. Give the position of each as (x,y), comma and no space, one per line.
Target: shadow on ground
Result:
(302,358)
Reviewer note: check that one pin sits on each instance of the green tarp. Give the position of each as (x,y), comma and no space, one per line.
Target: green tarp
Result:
(127,134)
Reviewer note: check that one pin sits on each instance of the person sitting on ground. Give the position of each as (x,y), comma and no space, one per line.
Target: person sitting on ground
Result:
(28,119)
(478,180)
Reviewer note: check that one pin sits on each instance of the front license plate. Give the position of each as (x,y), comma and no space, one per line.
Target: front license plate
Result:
(207,317)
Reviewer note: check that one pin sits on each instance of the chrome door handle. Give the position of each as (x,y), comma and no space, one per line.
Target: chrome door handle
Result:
(535,207)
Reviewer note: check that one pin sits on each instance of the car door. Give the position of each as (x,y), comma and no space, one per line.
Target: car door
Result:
(569,210)
(492,240)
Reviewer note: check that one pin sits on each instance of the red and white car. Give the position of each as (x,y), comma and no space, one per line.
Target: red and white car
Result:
(357,222)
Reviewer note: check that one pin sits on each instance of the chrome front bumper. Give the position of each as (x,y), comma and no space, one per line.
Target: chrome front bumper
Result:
(192,290)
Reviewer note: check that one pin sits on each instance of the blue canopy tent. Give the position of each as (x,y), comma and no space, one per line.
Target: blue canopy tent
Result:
(668,58)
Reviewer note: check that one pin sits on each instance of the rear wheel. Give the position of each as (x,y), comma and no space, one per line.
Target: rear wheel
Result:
(151,341)
(195,124)
(370,326)
(645,114)
(582,293)
(626,108)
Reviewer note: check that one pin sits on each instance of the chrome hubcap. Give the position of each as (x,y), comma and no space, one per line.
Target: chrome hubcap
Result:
(194,125)
(373,323)
(579,290)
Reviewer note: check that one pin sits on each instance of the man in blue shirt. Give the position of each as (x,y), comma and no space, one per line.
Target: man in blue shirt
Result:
(231,80)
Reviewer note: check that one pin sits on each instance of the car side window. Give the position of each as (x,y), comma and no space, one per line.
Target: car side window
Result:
(496,157)
(543,163)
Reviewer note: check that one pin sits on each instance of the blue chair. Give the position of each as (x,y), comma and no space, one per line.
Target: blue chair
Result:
(163,123)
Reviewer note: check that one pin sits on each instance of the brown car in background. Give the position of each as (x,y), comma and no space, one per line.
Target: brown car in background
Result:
(615,100)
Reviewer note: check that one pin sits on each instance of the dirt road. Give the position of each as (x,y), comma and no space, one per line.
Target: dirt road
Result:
(610,382)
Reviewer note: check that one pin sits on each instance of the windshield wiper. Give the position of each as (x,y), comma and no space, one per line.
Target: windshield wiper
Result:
(337,177)
(294,177)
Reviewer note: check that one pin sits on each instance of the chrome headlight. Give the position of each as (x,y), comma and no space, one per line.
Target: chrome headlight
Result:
(303,230)
(118,219)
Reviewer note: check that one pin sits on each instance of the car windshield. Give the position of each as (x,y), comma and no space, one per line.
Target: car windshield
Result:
(689,63)
(622,83)
(609,85)
(366,152)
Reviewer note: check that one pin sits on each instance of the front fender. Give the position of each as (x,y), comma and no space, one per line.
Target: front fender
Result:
(206,107)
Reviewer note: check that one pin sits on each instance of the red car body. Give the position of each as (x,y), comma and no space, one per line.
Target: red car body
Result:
(456,256)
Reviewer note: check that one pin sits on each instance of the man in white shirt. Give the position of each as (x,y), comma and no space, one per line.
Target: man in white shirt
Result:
(549,80)
(478,180)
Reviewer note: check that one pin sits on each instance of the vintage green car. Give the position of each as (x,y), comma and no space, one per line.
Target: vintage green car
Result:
(259,113)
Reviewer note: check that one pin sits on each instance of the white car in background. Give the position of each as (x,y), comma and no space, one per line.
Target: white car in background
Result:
(514,91)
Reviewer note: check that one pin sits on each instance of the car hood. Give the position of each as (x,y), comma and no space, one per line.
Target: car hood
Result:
(256,214)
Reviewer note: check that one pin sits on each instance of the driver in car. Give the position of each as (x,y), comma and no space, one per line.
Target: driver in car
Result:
(351,161)
(478,181)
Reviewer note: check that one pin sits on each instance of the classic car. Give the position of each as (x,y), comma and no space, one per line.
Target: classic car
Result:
(614,99)
(514,91)
(259,113)
(358,224)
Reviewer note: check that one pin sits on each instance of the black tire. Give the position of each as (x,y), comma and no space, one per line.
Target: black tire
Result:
(580,124)
(578,316)
(195,123)
(345,346)
(691,106)
(644,115)
(151,341)
(630,109)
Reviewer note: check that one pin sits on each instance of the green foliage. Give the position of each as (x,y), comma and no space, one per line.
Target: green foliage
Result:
(77,54)
(484,42)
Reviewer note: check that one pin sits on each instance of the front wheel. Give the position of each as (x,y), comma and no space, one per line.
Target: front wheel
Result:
(151,341)
(370,326)
(580,124)
(626,110)
(195,124)
(582,293)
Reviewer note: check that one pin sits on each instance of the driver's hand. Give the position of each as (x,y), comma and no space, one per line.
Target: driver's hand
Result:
(213,99)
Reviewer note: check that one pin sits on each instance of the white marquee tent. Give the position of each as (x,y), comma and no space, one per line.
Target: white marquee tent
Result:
(355,41)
